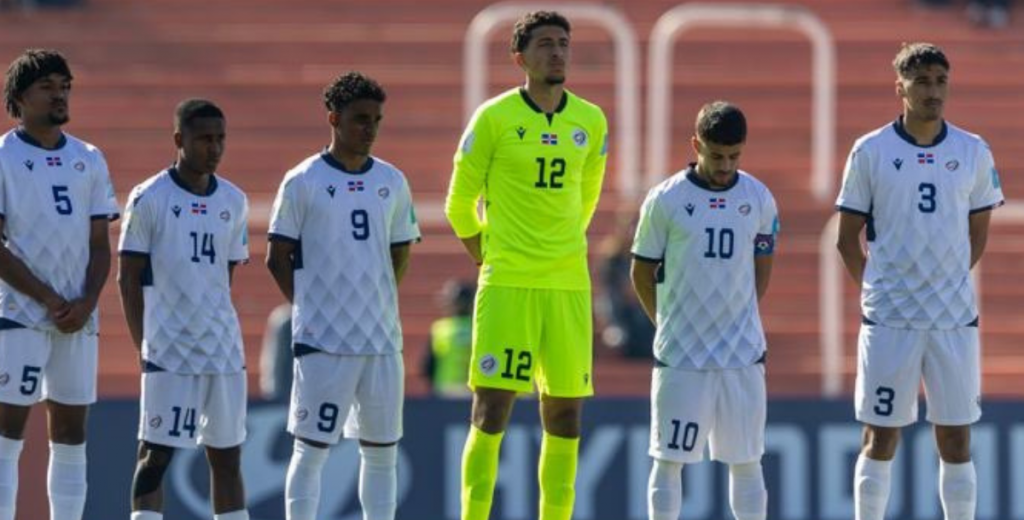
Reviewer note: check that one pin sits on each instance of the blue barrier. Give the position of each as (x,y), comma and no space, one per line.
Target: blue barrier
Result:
(812,447)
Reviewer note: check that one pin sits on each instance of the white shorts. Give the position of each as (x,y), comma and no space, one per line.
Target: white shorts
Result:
(368,392)
(37,365)
(183,411)
(690,406)
(892,362)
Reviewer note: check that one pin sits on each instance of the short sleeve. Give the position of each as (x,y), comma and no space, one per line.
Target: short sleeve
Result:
(103,200)
(137,225)
(240,235)
(3,192)
(768,226)
(855,194)
(404,227)
(652,230)
(987,192)
(288,210)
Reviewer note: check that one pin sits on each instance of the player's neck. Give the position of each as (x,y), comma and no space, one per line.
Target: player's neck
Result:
(353,162)
(46,135)
(196,181)
(545,95)
(924,132)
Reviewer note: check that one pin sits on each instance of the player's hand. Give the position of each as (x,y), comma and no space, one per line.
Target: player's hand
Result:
(76,316)
(56,307)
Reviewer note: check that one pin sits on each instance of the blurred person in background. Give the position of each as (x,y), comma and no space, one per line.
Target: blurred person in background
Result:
(625,327)
(276,355)
(446,360)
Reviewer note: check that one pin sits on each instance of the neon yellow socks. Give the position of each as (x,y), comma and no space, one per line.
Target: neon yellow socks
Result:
(479,473)
(557,473)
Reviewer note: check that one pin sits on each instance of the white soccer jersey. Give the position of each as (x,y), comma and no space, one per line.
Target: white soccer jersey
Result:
(48,199)
(190,325)
(707,239)
(917,201)
(344,223)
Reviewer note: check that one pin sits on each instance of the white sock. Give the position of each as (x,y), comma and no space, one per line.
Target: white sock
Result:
(241,514)
(302,485)
(65,481)
(378,481)
(958,490)
(871,488)
(665,490)
(10,452)
(747,494)
(147,515)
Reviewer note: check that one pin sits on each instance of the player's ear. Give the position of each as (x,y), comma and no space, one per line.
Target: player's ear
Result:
(900,91)
(177,139)
(333,119)
(517,58)
(695,143)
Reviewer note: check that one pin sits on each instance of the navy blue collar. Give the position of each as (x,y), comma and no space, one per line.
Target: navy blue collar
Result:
(529,102)
(31,141)
(334,163)
(691,175)
(901,131)
(210,188)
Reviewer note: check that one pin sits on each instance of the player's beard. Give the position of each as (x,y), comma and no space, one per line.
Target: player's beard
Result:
(554,80)
(58,119)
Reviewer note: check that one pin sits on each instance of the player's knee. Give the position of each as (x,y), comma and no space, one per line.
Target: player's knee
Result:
(954,443)
(491,410)
(149,472)
(225,462)
(562,420)
(881,443)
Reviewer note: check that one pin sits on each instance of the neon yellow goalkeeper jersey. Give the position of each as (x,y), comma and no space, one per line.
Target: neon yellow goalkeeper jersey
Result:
(540,178)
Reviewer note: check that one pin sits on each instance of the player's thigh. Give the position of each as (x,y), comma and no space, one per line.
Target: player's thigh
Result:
(70,375)
(889,363)
(23,357)
(224,409)
(682,413)
(169,409)
(506,331)
(565,357)
(740,416)
(952,376)
(376,415)
(323,388)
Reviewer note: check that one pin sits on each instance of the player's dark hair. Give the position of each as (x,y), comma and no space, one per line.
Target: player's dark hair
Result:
(721,122)
(28,68)
(919,54)
(522,32)
(192,109)
(352,87)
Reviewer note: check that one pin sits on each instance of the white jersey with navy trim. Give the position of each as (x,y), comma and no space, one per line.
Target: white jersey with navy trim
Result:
(706,241)
(344,224)
(48,199)
(190,325)
(917,200)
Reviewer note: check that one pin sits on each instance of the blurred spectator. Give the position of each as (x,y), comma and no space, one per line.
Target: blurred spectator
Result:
(446,363)
(276,356)
(989,13)
(624,326)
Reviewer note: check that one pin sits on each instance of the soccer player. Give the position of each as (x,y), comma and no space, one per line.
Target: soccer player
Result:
(923,189)
(183,234)
(56,202)
(340,236)
(702,258)
(536,154)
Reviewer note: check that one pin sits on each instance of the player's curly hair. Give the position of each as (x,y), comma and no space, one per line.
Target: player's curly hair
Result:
(194,108)
(919,54)
(721,122)
(523,29)
(351,87)
(28,68)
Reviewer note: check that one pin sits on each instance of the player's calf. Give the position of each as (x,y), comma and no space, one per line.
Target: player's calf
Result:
(147,492)
(226,476)
(747,494)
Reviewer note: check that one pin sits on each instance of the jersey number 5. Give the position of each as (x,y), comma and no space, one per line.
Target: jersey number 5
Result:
(555,173)
(61,200)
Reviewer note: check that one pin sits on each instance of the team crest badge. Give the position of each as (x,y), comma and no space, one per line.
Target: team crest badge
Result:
(225,215)
(952,165)
(383,192)
(579,136)
(745,209)
(80,166)
(488,365)
(301,414)
(155,421)
(4,379)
